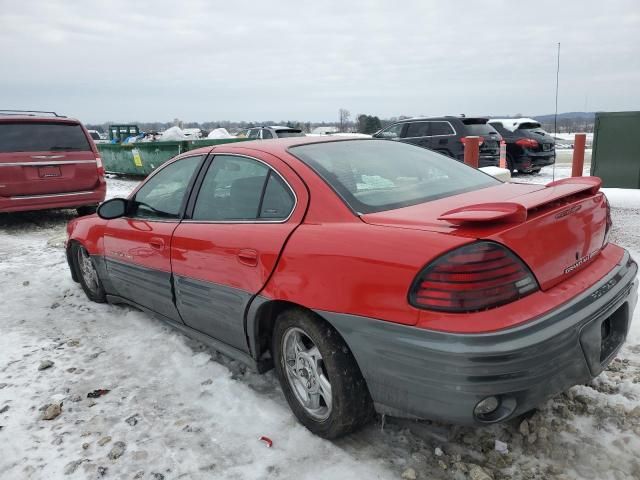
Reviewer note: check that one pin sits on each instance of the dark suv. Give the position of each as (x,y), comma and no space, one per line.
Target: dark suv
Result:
(529,147)
(445,135)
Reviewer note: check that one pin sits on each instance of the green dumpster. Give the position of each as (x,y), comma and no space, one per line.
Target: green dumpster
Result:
(144,157)
(615,158)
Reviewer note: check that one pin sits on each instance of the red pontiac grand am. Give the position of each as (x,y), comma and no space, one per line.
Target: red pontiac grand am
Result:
(373,275)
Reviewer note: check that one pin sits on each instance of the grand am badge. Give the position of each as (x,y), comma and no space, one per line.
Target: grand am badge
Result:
(581,261)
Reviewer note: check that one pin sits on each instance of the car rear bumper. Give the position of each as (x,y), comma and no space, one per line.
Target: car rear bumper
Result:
(526,162)
(24,203)
(443,376)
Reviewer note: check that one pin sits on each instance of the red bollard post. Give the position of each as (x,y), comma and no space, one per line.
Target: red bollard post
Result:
(472,151)
(578,154)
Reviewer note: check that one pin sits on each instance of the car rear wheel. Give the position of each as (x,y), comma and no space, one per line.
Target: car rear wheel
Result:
(319,376)
(87,273)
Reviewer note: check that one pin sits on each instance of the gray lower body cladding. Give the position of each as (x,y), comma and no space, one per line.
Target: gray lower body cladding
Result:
(442,376)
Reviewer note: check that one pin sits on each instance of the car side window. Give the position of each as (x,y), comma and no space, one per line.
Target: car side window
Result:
(441,128)
(254,133)
(391,132)
(266,134)
(277,201)
(161,196)
(239,188)
(418,129)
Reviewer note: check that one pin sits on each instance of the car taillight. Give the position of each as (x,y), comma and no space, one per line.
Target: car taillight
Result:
(474,277)
(99,166)
(527,143)
(464,139)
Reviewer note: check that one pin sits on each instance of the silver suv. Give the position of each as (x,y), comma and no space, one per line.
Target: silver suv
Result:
(274,131)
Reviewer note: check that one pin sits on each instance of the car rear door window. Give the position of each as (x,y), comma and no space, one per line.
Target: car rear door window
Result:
(266,134)
(242,189)
(278,200)
(42,137)
(441,129)
(418,129)
(254,133)
(162,195)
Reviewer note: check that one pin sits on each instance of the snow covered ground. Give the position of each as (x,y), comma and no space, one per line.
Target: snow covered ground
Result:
(177,409)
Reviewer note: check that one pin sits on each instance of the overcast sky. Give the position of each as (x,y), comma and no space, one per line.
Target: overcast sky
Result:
(207,60)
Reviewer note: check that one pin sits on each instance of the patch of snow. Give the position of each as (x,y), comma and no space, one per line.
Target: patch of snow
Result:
(219,133)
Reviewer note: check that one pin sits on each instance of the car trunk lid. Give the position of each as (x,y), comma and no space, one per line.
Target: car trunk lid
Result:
(556,229)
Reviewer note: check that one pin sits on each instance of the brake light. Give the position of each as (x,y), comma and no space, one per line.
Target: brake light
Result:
(527,143)
(100,167)
(474,277)
(480,140)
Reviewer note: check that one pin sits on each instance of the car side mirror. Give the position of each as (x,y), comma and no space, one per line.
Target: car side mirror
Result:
(114,208)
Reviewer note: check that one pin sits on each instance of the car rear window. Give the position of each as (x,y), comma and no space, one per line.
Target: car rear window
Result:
(42,137)
(289,133)
(529,126)
(378,175)
(480,129)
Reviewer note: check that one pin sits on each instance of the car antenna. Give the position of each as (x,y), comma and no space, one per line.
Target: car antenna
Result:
(555,116)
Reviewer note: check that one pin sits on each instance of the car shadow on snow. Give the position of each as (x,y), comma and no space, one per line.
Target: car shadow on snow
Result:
(19,222)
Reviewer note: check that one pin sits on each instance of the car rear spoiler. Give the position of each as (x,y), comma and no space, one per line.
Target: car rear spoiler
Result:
(516,211)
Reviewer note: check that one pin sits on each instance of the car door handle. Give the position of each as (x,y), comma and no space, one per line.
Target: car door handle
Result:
(248,256)
(156,243)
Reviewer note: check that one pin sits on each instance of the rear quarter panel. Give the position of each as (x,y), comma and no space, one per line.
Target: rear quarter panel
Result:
(356,268)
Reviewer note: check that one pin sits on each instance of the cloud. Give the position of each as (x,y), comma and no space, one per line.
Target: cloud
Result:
(204,60)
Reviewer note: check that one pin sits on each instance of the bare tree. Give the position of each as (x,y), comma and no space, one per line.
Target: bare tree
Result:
(344,118)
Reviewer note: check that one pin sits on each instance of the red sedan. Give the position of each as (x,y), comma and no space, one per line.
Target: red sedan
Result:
(373,275)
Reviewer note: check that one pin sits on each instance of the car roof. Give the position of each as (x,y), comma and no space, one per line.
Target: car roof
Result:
(276,146)
(6,118)
(513,123)
(443,118)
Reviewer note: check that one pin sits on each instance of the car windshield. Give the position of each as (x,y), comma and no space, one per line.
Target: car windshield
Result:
(377,175)
(289,133)
(42,137)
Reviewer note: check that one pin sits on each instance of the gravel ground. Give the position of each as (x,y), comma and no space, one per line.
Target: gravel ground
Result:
(176,409)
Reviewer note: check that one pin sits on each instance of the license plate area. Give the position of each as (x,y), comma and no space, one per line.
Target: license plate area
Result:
(49,171)
(602,338)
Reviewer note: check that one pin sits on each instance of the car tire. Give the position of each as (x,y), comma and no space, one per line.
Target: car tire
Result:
(319,376)
(86,210)
(87,274)
(510,165)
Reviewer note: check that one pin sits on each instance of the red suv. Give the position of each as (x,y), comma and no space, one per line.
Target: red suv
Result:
(48,161)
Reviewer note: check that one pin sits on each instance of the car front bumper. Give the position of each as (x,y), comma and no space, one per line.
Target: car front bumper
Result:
(443,376)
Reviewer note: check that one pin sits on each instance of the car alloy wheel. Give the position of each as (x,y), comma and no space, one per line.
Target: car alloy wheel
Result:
(87,270)
(306,373)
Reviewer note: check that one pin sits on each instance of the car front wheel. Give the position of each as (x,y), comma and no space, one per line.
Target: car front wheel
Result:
(319,376)
(87,273)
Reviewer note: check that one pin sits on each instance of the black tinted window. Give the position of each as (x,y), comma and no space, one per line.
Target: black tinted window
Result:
(266,134)
(479,129)
(500,129)
(278,200)
(162,195)
(375,175)
(441,128)
(231,189)
(289,133)
(418,129)
(42,137)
